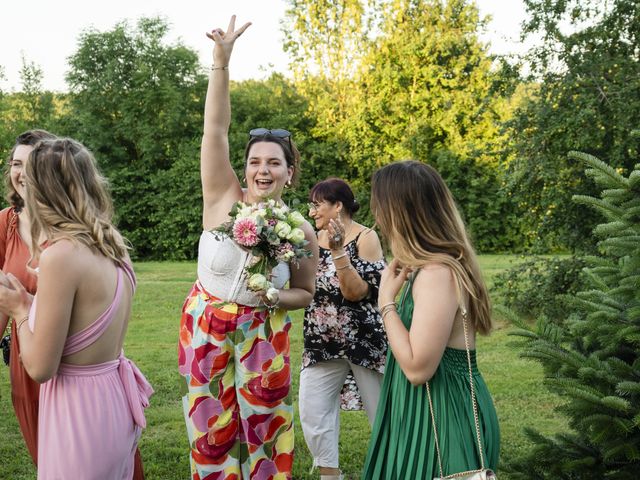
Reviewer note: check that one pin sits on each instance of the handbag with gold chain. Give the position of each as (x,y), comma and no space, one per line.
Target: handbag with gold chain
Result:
(482,473)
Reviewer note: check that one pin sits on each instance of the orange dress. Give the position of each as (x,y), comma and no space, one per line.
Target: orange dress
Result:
(14,255)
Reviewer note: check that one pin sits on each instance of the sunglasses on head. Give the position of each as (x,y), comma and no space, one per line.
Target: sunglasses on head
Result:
(276,132)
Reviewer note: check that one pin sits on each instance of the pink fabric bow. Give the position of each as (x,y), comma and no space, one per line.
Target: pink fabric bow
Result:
(137,389)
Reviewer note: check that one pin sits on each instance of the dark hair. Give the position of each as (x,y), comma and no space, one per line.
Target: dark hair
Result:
(335,190)
(291,153)
(29,138)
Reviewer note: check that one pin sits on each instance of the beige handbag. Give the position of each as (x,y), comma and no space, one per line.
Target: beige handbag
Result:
(482,473)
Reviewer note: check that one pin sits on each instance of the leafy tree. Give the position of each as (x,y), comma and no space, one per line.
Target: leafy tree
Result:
(586,97)
(592,359)
(421,84)
(136,101)
(37,103)
(31,107)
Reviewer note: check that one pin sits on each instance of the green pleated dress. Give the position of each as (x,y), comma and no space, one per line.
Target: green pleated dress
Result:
(402,444)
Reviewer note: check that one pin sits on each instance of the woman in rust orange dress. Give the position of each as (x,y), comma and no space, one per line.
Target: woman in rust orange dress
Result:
(15,236)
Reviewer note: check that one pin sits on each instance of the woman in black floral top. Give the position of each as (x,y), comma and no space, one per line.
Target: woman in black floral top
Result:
(344,343)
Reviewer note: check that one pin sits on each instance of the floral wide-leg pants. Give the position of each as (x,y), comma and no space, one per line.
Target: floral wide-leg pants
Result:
(238,410)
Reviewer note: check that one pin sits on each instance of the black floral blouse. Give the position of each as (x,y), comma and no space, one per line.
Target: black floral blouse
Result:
(338,328)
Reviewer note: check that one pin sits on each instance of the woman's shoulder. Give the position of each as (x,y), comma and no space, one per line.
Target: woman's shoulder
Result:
(434,268)
(5,212)
(368,245)
(365,234)
(64,252)
(8,215)
(432,273)
(62,249)
(308,229)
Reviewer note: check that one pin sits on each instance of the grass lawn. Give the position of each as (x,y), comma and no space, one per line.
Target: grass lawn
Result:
(151,342)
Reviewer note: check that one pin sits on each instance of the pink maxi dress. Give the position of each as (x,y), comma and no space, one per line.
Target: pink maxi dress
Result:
(91,416)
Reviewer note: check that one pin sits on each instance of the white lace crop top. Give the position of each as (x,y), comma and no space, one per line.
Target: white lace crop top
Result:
(221,264)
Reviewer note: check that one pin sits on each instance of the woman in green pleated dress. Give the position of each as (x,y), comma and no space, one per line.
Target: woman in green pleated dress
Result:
(435,276)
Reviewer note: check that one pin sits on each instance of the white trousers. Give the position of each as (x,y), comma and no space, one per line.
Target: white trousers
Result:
(319,404)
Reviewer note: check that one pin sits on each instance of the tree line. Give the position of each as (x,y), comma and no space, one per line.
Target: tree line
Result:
(373,81)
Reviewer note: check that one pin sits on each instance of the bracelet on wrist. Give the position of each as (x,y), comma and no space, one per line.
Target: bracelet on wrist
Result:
(21,322)
(348,265)
(386,311)
(223,67)
(342,255)
(270,304)
(387,305)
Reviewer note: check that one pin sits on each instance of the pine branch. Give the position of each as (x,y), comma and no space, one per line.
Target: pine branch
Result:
(609,210)
(602,173)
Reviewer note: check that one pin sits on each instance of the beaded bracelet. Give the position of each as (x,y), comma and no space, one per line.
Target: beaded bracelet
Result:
(224,67)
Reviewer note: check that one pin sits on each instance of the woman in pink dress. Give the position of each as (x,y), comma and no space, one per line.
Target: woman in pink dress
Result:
(71,333)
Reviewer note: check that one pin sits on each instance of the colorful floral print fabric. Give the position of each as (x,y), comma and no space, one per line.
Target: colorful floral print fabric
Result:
(238,411)
(337,328)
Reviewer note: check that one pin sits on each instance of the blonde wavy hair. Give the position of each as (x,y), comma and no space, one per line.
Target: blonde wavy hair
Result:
(67,197)
(417,215)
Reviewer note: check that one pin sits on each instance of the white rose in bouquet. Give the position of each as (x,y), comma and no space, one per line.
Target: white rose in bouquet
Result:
(296,236)
(282,229)
(258,282)
(295,218)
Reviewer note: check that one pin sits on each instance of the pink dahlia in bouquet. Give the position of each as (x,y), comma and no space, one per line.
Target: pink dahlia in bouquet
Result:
(272,233)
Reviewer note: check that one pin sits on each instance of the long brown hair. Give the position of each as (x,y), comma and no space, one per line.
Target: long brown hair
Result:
(418,216)
(67,197)
(29,138)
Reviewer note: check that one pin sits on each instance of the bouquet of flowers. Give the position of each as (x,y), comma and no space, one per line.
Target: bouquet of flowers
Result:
(272,233)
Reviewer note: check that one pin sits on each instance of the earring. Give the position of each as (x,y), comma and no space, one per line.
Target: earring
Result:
(288,184)
(244,180)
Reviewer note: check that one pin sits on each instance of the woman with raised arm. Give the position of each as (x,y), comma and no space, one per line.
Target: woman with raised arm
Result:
(72,331)
(234,343)
(431,372)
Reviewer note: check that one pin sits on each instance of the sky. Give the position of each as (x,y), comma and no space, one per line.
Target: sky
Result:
(46,32)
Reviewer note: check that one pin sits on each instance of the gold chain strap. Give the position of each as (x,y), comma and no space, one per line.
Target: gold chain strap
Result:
(463,312)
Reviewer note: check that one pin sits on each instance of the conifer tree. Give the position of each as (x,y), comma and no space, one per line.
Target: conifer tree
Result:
(592,359)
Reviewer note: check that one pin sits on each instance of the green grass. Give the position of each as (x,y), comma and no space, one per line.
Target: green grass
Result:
(152,343)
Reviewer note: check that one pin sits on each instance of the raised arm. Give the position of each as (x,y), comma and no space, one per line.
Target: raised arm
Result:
(220,185)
